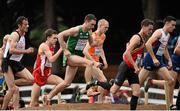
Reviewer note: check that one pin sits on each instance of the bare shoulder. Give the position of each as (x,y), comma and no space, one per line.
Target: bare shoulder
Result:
(155,36)
(135,40)
(43,46)
(14,36)
(135,37)
(70,32)
(157,32)
(6,36)
(76,28)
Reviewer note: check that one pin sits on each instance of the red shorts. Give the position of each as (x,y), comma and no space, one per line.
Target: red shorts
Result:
(39,78)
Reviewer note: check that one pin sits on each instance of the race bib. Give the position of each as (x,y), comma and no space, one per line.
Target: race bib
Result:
(163,41)
(160,50)
(48,64)
(80,44)
(97,51)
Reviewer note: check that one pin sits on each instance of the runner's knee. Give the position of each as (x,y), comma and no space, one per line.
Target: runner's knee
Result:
(90,63)
(66,84)
(114,89)
(31,80)
(136,93)
(16,90)
(171,81)
(13,89)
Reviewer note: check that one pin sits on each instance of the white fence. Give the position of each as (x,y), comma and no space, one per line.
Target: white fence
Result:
(27,99)
(84,96)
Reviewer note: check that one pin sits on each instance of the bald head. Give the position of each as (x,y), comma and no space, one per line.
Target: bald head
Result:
(103,22)
(103,26)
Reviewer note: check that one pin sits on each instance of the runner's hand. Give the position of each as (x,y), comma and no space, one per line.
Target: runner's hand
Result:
(136,69)
(97,64)
(30,50)
(156,62)
(169,67)
(67,53)
(105,66)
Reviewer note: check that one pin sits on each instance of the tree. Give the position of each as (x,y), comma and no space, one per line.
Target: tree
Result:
(50,22)
(150,9)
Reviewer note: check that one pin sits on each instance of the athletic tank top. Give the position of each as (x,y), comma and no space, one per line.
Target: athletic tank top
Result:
(95,52)
(160,45)
(20,45)
(76,44)
(177,43)
(137,51)
(42,63)
(175,57)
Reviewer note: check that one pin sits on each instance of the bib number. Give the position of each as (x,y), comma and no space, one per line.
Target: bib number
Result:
(97,51)
(80,44)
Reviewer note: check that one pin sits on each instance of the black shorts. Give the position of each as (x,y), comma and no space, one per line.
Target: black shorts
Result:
(125,72)
(4,65)
(16,66)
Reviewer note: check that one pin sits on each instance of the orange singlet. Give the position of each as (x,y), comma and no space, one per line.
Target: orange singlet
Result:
(95,52)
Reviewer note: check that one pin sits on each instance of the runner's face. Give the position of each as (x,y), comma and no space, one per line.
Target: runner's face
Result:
(91,24)
(104,27)
(149,30)
(53,39)
(24,26)
(171,25)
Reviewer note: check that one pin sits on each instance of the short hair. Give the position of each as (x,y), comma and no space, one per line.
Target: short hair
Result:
(146,22)
(102,21)
(89,17)
(20,20)
(168,19)
(49,32)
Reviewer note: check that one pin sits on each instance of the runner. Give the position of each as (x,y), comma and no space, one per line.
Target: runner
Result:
(42,71)
(129,68)
(11,66)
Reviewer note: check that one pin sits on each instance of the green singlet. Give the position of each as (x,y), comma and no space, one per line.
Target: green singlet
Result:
(76,44)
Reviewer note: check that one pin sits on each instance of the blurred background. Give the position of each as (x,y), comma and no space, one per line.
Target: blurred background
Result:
(124,18)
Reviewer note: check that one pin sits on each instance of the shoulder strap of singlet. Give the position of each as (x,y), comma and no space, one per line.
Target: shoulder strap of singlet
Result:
(18,34)
(9,55)
(178,39)
(80,29)
(141,41)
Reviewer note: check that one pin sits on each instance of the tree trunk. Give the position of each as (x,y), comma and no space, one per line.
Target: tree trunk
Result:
(50,21)
(49,14)
(150,9)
